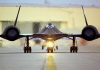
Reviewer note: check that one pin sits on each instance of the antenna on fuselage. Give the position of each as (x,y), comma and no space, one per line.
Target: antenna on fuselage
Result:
(84,16)
(17,16)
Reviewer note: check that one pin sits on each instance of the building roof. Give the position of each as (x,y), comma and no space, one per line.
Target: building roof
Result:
(41,5)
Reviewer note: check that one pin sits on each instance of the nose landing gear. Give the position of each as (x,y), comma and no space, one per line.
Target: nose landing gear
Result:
(49,49)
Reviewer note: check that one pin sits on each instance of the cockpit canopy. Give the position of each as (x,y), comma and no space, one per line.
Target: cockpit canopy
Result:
(50,25)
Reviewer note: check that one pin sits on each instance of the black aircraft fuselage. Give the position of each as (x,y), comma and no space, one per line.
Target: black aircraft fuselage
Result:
(50,34)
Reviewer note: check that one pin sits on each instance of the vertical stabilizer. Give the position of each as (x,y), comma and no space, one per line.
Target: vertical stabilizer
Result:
(85,16)
(17,16)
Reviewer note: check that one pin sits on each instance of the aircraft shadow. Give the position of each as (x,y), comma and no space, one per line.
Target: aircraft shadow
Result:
(41,52)
(12,53)
(77,52)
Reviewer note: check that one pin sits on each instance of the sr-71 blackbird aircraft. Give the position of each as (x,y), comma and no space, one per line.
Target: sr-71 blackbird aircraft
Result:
(50,34)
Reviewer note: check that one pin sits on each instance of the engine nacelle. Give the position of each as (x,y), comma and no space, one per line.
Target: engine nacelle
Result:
(89,33)
(11,33)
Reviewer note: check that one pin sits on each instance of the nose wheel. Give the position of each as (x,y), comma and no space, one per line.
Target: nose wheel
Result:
(49,49)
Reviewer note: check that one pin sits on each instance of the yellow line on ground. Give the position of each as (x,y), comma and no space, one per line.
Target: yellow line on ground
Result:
(50,62)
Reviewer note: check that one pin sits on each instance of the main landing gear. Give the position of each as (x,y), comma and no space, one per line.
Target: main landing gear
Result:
(73,48)
(27,49)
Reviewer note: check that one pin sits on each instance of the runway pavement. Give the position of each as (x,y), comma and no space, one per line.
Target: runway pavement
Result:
(13,58)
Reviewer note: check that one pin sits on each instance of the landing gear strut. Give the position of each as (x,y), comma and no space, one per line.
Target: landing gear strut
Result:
(73,48)
(27,49)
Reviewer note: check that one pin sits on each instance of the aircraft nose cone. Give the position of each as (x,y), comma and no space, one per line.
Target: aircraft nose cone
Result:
(49,24)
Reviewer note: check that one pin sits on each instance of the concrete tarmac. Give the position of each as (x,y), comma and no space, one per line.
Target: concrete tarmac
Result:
(87,58)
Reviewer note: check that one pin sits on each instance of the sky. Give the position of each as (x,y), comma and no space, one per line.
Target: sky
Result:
(56,2)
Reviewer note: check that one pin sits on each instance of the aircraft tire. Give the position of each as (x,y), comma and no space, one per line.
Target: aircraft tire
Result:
(30,49)
(73,49)
(24,49)
(51,50)
(27,50)
(42,47)
(76,49)
(47,49)
(70,49)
